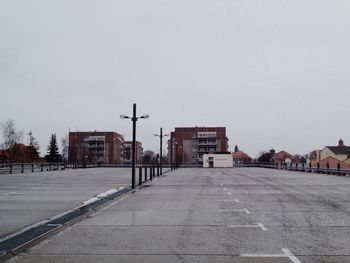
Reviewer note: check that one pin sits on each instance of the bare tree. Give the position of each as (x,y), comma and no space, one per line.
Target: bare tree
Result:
(33,147)
(10,134)
(64,144)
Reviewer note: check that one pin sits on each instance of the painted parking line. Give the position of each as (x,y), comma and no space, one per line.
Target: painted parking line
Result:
(286,254)
(263,228)
(258,225)
(263,255)
(14,193)
(245,210)
(289,254)
(227,200)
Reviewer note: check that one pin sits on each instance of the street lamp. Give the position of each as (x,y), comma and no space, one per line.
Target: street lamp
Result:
(133,154)
(161,147)
(172,144)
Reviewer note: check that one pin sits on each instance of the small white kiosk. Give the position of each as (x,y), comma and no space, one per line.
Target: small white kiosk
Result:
(217,160)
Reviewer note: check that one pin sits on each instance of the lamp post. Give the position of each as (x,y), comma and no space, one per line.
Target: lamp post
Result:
(176,150)
(177,146)
(171,153)
(134,119)
(161,147)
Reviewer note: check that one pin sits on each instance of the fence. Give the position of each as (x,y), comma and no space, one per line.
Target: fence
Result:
(43,167)
(300,167)
(30,167)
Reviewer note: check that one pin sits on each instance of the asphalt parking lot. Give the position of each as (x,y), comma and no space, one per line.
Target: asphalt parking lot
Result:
(213,215)
(28,198)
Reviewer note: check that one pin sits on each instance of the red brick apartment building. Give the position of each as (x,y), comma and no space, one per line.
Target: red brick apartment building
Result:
(128,150)
(101,147)
(190,143)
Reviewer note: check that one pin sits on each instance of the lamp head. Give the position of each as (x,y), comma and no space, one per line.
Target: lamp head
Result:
(146,116)
(122,116)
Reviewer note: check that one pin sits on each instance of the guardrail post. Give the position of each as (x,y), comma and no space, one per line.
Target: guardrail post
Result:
(327,168)
(140,175)
(338,168)
(22,169)
(145,173)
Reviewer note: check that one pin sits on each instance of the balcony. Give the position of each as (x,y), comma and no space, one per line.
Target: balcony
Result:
(207,142)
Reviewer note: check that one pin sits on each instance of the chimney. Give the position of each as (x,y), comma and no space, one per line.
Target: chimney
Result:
(341,143)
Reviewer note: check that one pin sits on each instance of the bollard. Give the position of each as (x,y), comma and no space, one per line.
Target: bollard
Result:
(57,166)
(310,169)
(41,167)
(303,167)
(145,173)
(150,173)
(140,175)
(318,167)
(32,167)
(50,167)
(11,168)
(338,168)
(157,169)
(22,170)
(327,168)
(154,170)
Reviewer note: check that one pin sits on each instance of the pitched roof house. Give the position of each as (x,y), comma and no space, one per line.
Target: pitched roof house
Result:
(340,152)
(282,157)
(241,157)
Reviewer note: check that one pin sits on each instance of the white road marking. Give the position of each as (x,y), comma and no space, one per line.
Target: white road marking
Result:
(263,228)
(226,200)
(286,251)
(246,211)
(13,193)
(289,254)
(264,255)
(243,226)
(232,210)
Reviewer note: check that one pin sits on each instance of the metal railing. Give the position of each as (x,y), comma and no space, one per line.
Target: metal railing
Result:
(300,167)
(30,167)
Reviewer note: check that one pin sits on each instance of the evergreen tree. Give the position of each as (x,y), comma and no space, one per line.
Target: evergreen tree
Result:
(33,147)
(52,151)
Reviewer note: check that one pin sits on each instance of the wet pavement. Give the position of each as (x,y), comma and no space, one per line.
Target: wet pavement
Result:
(214,215)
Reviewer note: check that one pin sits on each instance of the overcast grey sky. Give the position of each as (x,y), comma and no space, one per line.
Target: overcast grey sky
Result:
(274,72)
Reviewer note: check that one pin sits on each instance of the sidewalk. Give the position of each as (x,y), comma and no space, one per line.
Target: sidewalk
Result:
(191,215)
